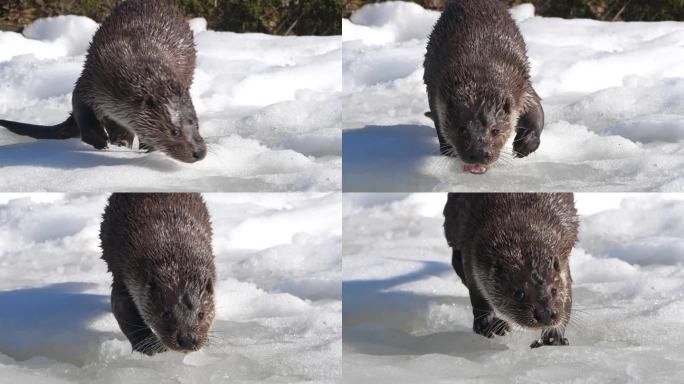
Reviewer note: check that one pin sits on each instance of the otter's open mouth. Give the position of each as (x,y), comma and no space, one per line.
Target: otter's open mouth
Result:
(476,169)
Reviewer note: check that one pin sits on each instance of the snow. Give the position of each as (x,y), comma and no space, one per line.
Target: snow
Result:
(612,93)
(269,108)
(407,317)
(278,301)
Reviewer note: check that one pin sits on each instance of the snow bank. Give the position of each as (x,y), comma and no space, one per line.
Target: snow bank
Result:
(72,32)
(407,317)
(269,108)
(392,21)
(278,302)
(612,93)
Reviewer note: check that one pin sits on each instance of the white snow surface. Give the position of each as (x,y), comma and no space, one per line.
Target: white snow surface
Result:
(269,108)
(278,298)
(613,94)
(407,316)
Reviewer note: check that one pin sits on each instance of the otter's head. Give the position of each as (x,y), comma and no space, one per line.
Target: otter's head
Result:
(180,313)
(478,127)
(167,122)
(525,280)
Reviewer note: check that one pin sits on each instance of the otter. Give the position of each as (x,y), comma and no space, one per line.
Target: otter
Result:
(158,248)
(478,84)
(511,250)
(135,81)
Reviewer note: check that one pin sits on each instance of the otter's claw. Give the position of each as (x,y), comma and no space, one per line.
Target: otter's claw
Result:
(122,143)
(145,147)
(550,338)
(488,326)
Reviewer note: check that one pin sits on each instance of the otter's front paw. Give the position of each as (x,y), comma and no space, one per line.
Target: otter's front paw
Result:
(490,325)
(550,338)
(526,142)
(146,148)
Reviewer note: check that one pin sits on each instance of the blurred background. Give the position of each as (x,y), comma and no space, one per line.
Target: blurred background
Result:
(607,10)
(276,17)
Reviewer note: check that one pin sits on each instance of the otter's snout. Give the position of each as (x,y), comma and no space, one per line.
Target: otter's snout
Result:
(479,156)
(199,153)
(192,150)
(199,148)
(187,341)
(475,145)
(545,316)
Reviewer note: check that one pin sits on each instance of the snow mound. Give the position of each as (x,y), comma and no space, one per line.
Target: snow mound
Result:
(198,24)
(73,33)
(522,12)
(392,21)
(652,128)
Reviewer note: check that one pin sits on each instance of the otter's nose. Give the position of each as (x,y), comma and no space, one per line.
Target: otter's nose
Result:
(199,154)
(543,317)
(186,341)
(480,156)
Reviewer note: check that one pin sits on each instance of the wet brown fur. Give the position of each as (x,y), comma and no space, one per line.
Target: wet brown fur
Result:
(158,249)
(512,252)
(139,65)
(476,69)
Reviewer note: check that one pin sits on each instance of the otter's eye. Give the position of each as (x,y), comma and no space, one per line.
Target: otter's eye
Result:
(175,132)
(495,131)
(519,294)
(200,315)
(554,291)
(167,315)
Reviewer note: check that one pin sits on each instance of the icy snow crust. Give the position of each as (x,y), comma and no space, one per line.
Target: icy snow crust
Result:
(613,94)
(408,319)
(278,298)
(269,108)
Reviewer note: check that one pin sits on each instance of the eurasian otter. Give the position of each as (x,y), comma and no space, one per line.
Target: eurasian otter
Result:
(478,84)
(135,81)
(158,248)
(512,252)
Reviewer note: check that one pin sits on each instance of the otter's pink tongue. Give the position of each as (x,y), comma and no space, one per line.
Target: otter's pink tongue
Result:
(477,169)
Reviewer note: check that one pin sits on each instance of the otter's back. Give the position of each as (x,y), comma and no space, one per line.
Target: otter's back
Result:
(473,32)
(467,214)
(139,32)
(151,228)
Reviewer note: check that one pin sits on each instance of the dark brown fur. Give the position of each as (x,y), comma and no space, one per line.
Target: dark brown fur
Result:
(512,252)
(478,83)
(158,249)
(135,81)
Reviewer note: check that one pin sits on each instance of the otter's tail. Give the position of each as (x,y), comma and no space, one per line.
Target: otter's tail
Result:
(66,130)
